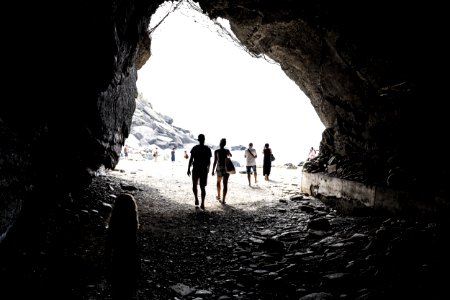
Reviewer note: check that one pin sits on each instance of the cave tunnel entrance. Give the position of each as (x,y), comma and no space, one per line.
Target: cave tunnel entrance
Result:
(208,84)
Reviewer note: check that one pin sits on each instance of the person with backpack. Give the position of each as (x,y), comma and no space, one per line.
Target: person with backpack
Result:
(267,161)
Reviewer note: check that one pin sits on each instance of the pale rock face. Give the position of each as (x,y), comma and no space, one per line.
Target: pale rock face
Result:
(150,128)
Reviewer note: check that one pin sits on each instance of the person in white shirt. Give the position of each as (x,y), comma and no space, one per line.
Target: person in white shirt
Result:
(311,154)
(250,155)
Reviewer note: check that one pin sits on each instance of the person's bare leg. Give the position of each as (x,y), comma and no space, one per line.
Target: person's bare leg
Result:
(203,194)
(249,181)
(219,178)
(255,176)
(194,189)
(225,188)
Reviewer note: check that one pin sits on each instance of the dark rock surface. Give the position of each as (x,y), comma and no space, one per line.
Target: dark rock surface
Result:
(372,70)
(295,249)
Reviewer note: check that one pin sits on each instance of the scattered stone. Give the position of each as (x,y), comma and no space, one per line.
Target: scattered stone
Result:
(182,289)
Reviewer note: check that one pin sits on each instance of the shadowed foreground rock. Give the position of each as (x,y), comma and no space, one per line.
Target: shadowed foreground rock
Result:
(295,249)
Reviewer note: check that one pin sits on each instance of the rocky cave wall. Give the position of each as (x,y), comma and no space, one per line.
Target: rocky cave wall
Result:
(370,70)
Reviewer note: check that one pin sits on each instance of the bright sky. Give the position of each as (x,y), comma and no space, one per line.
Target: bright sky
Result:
(209,85)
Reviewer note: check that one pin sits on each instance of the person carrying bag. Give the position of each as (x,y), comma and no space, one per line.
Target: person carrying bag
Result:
(268,158)
(223,167)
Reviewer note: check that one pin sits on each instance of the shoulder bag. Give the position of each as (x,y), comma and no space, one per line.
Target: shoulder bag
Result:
(229,166)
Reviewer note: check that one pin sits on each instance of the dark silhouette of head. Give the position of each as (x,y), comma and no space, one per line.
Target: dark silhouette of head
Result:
(223,142)
(267,145)
(201,138)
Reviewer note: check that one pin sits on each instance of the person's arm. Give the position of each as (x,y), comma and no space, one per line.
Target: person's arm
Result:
(209,162)
(189,165)
(215,162)
(229,153)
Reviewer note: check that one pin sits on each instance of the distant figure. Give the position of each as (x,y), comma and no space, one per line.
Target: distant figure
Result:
(186,155)
(155,154)
(267,163)
(201,161)
(125,151)
(311,154)
(219,162)
(172,154)
(121,247)
(250,155)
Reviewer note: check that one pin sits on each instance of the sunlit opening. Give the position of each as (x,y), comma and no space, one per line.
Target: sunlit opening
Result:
(208,84)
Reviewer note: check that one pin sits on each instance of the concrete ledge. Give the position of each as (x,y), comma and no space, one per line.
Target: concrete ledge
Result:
(354,198)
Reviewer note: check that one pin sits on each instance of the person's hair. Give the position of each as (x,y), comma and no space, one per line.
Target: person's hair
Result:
(267,145)
(250,144)
(223,142)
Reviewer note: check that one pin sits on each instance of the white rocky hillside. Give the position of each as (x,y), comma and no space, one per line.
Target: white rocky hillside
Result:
(151,130)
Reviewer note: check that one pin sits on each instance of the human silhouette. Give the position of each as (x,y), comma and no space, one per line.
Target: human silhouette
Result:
(200,160)
(125,151)
(267,163)
(172,154)
(155,154)
(219,168)
(250,155)
(121,247)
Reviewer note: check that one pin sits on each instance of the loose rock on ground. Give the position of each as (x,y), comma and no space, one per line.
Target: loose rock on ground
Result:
(268,242)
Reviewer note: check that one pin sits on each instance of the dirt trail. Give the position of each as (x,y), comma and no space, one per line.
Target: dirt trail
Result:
(268,242)
(173,183)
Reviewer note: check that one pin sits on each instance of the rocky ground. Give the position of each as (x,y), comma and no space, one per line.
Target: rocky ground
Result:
(268,242)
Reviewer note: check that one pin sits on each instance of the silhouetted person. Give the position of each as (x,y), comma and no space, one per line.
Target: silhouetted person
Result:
(121,247)
(125,151)
(250,155)
(267,162)
(219,167)
(200,160)
(172,154)
(155,154)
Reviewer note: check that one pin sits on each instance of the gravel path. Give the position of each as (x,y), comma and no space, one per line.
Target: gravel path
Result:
(268,242)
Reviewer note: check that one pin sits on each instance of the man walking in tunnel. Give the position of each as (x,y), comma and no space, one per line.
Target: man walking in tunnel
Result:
(200,160)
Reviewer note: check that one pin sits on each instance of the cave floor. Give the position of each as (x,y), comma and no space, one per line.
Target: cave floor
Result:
(268,242)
